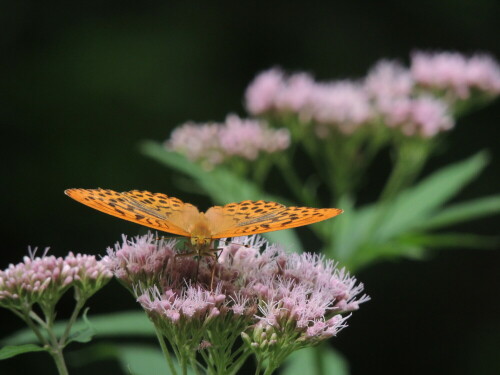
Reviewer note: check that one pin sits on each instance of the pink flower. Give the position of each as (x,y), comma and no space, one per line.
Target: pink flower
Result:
(247,138)
(275,301)
(454,72)
(388,80)
(261,93)
(268,287)
(46,278)
(141,258)
(424,116)
(343,104)
(197,142)
(296,94)
(214,143)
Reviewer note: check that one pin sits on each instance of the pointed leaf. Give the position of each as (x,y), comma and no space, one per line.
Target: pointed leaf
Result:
(135,359)
(315,361)
(128,323)
(351,231)
(86,333)
(461,212)
(10,351)
(414,205)
(453,240)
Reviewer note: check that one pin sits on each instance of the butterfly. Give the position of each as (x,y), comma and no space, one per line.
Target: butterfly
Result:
(169,214)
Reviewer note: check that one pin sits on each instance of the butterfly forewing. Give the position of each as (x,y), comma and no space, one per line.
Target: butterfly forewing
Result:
(141,207)
(253,217)
(169,214)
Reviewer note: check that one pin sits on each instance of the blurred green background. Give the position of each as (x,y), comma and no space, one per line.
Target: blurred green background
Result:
(82,83)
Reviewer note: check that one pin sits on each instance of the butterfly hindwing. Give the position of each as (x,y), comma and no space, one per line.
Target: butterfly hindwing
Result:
(141,207)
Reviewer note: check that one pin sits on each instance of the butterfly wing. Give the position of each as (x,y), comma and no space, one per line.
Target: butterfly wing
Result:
(252,217)
(154,210)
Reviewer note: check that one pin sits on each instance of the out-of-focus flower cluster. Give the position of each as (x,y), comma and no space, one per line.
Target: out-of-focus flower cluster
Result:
(416,100)
(214,143)
(456,74)
(45,279)
(272,297)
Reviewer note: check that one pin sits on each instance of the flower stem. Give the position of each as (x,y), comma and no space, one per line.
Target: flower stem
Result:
(164,349)
(26,318)
(294,182)
(258,368)
(80,302)
(58,357)
(410,159)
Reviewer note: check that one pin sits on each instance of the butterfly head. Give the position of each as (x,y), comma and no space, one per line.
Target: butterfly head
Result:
(201,242)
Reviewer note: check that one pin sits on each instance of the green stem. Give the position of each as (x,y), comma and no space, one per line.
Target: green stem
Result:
(26,318)
(58,357)
(260,170)
(80,302)
(411,156)
(164,349)
(184,365)
(33,315)
(194,364)
(56,348)
(258,368)
(235,366)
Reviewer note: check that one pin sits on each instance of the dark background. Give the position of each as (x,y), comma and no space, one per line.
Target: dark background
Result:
(82,83)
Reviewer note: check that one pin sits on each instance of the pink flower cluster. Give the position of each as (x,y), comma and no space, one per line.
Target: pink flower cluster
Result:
(456,73)
(388,80)
(48,277)
(141,259)
(269,288)
(391,87)
(342,103)
(402,98)
(425,116)
(214,143)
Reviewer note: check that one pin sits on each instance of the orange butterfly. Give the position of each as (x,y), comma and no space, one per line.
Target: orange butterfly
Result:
(169,214)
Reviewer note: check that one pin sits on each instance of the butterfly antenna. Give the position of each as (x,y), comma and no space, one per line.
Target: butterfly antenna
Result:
(227,242)
(212,274)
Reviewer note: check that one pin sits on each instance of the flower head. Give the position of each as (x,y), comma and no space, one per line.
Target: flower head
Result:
(423,116)
(277,302)
(140,260)
(387,81)
(260,95)
(338,104)
(290,294)
(456,73)
(214,143)
(344,105)
(45,279)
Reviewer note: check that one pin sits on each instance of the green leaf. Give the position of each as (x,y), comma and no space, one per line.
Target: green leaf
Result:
(134,359)
(86,333)
(451,240)
(316,361)
(460,212)
(128,323)
(415,205)
(350,231)
(222,186)
(10,351)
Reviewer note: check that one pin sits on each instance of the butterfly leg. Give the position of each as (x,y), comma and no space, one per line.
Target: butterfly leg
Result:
(215,257)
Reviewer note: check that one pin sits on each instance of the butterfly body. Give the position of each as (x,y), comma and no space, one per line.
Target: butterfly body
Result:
(169,214)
